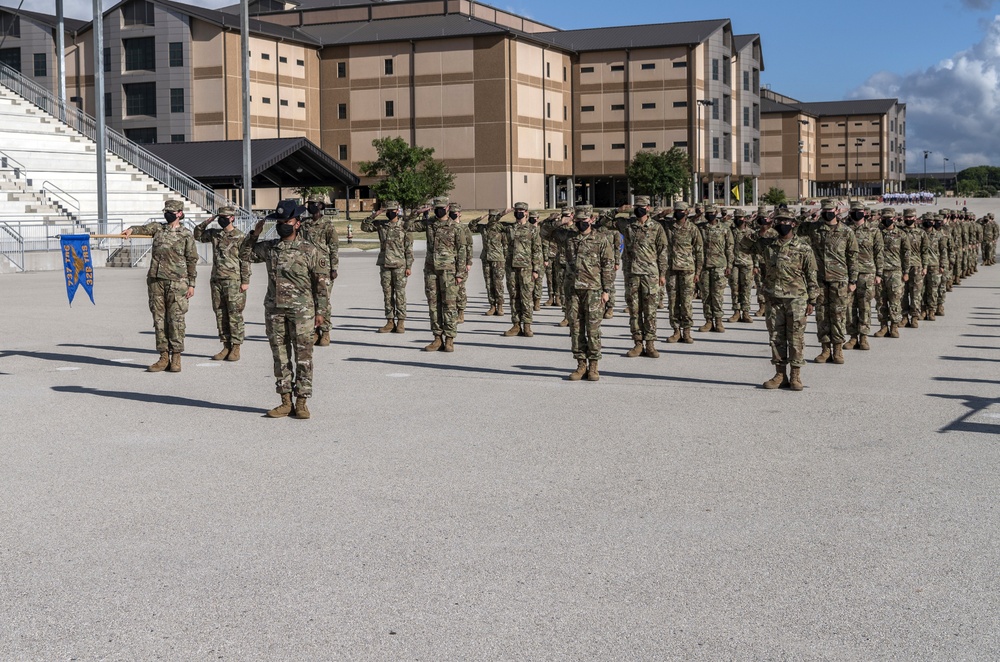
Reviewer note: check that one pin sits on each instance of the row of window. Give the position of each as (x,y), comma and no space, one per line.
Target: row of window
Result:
(651,105)
(140,99)
(281,59)
(648,145)
(645,66)
(12,58)
(148,135)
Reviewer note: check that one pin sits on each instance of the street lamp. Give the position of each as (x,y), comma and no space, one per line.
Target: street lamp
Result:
(923,182)
(944,169)
(697,145)
(858,142)
(802,144)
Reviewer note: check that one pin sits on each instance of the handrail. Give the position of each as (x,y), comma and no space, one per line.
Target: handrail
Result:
(116,143)
(7,234)
(76,201)
(19,170)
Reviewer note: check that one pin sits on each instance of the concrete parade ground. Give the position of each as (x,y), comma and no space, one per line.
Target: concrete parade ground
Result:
(478,506)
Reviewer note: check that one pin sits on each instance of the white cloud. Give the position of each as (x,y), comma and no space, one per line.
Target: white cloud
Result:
(951,108)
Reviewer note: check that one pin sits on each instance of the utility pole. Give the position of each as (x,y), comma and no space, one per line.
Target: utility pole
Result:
(245,46)
(102,155)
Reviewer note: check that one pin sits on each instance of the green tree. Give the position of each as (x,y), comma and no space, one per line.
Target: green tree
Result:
(305,191)
(409,175)
(774,196)
(659,174)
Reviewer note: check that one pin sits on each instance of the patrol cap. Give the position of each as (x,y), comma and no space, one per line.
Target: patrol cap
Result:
(698,208)
(680,205)
(761,210)
(909,212)
(286,210)
(711,209)
(784,215)
(642,201)
(857,204)
(390,204)
(493,212)
(826,204)
(454,206)
(927,216)
(568,211)
(441,203)
(520,206)
(226,211)
(888,212)
(804,211)
(317,197)
(533,214)
(586,209)
(581,215)
(173,205)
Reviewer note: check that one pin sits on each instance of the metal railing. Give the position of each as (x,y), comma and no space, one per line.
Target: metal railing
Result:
(116,143)
(12,245)
(18,168)
(72,203)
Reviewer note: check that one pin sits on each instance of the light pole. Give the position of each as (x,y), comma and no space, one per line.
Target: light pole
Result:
(858,142)
(944,168)
(802,144)
(923,182)
(696,196)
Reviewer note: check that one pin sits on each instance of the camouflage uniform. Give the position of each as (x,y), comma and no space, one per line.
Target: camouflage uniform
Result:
(741,275)
(590,271)
(937,257)
(645,244)
(990,233)
(717,241)
(229,275)
(947,257)
(524,262)
(298,289)
(913,297)
(172,270)
(493,257)
(550,253)
(322,234)
(686,256)
(466,235)
(539,286)
(895,259)
(609,232)
(859,311)
(395,259)
(836,252)
(560,232)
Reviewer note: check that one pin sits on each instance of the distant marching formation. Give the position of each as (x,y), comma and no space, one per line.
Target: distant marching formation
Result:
(826,261)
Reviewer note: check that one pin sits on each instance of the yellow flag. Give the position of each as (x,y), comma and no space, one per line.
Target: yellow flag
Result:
(736,192)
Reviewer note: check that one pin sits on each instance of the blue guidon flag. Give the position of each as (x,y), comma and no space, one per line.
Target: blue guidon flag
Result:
(77,264)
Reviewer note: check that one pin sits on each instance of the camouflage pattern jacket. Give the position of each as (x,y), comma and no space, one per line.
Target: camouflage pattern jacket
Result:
(323,235)
(836,250)
(589,262)
(895,250)
(937,249)
(297,274)
(718,245)
(742,258)
(446,247)
(646,250)
(560,235)
(494,238)
(920,246)
(174,255)
(524,247)
(226,262)
(465,232)
(685,247)
(788,267)
(870,249)
(395,243)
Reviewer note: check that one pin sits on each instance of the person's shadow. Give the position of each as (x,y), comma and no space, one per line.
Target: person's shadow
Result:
(156,398)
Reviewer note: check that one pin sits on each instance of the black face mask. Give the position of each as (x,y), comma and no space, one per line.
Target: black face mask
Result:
(784,229)
(857,215)
(391,215)
(533,220)
(887,222)
(519,215)
(829,216)
(285,230)
(739,222)
(928,224)
(223,221)
(582,225)
(640,212)
(453,215)
(440,213)
(679,215)
(909,221)
(938,224)
(314,208)
(170,216)
(709,217)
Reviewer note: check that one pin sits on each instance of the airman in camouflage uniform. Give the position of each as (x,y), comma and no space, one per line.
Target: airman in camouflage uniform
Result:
(859,309)
(455,214)
(760,218)
(607,229)
(989,244)
(895,261)
(686,255)
(788,268)
(741,275)
(836,251)
(550,252)
(318,229)
(298,290)
(395,262)
(524,263)
(444,269)
(645,244)
(946,253)
(230,280)
(937,258)
(717,241)
(493,256)
(589,274)
(559,232)
(169,282)
(913,297)
(533,221)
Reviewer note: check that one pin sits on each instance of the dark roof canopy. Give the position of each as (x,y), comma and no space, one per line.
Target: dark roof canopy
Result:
(277,162)
(404,29)
(828,108)
(69,24)
(633,36)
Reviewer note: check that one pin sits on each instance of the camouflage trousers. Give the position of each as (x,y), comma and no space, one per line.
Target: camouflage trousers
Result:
(539,288)
(559,272)
(327,312)
(550,279)
(989,252)
(228,302)
(169,303)
(612,298)
(786,329)
(932,285)
(291,335)
(831,312)
(713,292)
(585,311)
(942,291)
(890,308)
(740,284)
(643,296)
(681,290)
(493,274)
(758,285)
(394,292)
(522,293)
(463,298)
(859,312)
(913,296)
(441,289)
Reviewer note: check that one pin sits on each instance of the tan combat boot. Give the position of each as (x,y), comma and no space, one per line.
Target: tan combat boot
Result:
(914,324)
(718,328)
(499,312)
(882,332)
(651,349)
(564,322)
(735,317)
(284,409)
(707,326)
(592,374)
(221,356)
(175,362)
(449,345)
(636,349)
(527,332)
(160,365)
(434,346)
(324,339)
(779,380)
(317,336)
(745,318)
(461,317)
(514,330)
(609,313)
(851,343)
(389,327)
(548,302)
(863,343)
(538,305)
(490,312)
(824,356)
(687,339)
(893,330)
(400,326)
(838,354)
(940,310)
(760,310)
(234,353)
(581,368)
(301,410)
(929,316)
(675,337)
(795,383)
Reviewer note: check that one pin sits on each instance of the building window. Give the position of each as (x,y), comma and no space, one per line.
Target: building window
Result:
(715,148)
(617,67)
(548,151)
(647,66)
(727,73)
(587,148)
(565,113)
(388,66)
(390,108)
(176,54)
(548,70)
(107,104)
(824,125)
(10,25)
(756,116)
(140,99)
(282,59)
(746,116)
(756,81)
(177,99)
(146,136)
(564,74)
(680,64)
(176,137)
(648,106)
(715,69)
(715,109)
(746,81)
(343,152)
(41,67)
(548,110)
(283,102)
(341,70)
(265,56)
(300,63)
(586,70)
(617,145)
(617,106)
(746,152)
(106,56)
(140,54)
(649,145)
(727,109)
(565,152)
(139,12)
(301,104)
(680,104)
(586,109)
(341,111)
(681,144)
(727,147)
(266,100)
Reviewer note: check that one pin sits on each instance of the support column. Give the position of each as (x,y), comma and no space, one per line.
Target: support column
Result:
(756,190)
(729,181)
(553,192)
(570,191)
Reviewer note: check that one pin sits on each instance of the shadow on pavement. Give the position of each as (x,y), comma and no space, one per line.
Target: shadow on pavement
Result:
(968,358)
(965,380)
(450,368)
(156,398)
(976,406)
(629,375)
(111,348)
(70,358)
(202,336)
